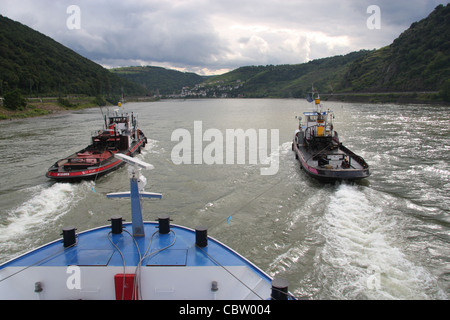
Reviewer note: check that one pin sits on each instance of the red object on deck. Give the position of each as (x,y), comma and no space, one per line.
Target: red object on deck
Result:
(124,290)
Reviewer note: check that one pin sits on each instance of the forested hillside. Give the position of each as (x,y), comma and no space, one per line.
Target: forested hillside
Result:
(39,66)
(157,79)
(287,81)
(419,59)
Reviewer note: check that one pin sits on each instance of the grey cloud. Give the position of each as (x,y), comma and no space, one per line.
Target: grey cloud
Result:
(162,33)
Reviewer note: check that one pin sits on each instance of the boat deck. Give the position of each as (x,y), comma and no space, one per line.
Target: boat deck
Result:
(335,159)
(88,164)
(330,165)
(168,266)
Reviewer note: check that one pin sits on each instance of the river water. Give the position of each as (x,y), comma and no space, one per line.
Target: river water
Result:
(386,237)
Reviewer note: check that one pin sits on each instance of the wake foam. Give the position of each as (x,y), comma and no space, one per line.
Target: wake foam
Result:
(46,205)
(361,259)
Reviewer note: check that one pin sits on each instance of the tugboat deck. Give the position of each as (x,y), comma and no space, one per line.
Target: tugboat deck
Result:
(335,158)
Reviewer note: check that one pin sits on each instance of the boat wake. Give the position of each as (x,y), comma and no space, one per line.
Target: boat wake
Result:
(152,147)
(362,256)
(45,206)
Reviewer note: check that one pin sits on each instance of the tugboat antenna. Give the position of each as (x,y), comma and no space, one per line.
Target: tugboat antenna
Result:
(137,184)
(134,162)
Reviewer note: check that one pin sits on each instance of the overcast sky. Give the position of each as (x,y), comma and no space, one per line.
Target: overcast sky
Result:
(215,36)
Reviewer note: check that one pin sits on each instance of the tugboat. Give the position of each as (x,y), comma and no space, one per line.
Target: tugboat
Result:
(137,260)
(121,135)
(316,145)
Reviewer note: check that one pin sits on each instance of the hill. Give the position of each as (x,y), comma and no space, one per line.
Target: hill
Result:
(40,66)
(419,59)
(157,79)
(286,81)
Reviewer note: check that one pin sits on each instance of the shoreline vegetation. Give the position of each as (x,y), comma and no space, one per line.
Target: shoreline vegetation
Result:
(36,107)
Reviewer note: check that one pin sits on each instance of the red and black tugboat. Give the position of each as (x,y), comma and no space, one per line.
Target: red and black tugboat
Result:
(316,145)
(121,135)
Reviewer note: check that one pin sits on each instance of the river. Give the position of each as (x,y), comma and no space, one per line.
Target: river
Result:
(385,237)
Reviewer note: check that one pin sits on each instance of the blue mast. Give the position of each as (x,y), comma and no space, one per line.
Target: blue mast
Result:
(136,193)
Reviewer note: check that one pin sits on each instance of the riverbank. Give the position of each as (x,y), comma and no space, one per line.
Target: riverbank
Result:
(429,97)
(46,106)
(36,107)
(31,110)
(51,105)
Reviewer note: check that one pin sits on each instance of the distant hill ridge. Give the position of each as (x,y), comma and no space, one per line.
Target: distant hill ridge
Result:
(158,79)
(419,59)
(38,65)
(288,81)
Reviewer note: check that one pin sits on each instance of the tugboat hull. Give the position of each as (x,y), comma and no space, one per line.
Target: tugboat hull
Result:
(107,165)
(121,135)
(331,165)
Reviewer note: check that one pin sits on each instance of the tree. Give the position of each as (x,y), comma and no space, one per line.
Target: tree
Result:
(14,100)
